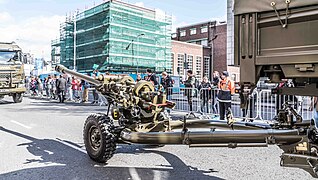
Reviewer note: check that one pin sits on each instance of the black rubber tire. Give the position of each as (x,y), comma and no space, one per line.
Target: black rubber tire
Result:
(17,97)
(104,149)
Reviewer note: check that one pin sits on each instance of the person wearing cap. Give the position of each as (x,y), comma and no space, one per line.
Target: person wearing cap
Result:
(226,90)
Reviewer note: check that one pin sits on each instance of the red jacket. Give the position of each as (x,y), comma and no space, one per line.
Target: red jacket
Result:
(75,84)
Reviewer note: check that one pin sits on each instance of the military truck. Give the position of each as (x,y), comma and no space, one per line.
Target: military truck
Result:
(277,39)
(12,78)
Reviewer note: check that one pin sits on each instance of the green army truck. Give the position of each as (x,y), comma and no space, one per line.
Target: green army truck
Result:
(277,39)
(12,78)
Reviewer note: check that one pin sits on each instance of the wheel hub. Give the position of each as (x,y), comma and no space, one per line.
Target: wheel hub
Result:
(95,137)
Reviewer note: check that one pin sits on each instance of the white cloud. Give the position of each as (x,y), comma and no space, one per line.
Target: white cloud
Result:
(5,16)
(3,1)
(219,19)
(176,24)
(33,35)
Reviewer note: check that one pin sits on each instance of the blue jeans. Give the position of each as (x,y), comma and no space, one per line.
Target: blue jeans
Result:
(75,94)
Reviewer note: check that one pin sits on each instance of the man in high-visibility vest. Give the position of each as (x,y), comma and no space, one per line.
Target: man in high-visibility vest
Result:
(226,90)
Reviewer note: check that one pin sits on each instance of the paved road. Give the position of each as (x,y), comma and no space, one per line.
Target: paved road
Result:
(43,140)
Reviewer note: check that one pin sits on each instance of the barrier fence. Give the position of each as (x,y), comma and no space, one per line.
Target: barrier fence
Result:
(263,105)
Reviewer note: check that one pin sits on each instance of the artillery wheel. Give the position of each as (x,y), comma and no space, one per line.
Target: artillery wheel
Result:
(99,139)
(17,97)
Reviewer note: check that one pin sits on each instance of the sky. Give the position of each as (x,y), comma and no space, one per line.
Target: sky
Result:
(32,24)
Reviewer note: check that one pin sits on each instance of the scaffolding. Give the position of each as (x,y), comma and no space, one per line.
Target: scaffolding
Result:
(117,37)
(55,51)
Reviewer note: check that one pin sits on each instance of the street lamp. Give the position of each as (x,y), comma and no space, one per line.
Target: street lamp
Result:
(132,48)
(211,37)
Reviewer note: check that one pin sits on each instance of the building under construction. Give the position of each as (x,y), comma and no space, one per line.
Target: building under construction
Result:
(115,36)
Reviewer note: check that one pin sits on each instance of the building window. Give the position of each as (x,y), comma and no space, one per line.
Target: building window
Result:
(204,29)
(173,35)
(190,62)
(204,42)
(233,77)
(198,67)
(180,63)
(172,62)
(182,33)
(206,66)
(193,31)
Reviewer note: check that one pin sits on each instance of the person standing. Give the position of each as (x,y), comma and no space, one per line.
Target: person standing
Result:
(85,86)
(216,78)
(138,78)
(69,88)
(190,84)
(75,88)
(33,86)
(226,90)
(54,89)
(95,94)
(166,82)
(48,84)
(40,87)
(151,77)
(205,94)
(60,88)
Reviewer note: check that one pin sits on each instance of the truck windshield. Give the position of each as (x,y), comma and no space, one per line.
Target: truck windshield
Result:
(5,56)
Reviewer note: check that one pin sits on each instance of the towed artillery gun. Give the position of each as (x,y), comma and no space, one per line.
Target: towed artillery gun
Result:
(273,38)
(136,115)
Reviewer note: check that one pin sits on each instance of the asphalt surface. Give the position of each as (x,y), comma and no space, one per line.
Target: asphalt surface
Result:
(42,139)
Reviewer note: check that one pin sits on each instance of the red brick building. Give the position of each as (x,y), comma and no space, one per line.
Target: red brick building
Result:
(212,36)
(182,52)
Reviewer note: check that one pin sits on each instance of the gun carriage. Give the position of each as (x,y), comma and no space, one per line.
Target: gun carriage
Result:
(136,114)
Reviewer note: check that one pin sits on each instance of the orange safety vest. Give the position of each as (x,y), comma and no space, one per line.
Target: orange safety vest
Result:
(226,89)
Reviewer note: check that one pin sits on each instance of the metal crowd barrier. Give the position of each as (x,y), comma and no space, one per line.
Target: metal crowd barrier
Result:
(101,98)
(208,101)
(184,97)
(263,105)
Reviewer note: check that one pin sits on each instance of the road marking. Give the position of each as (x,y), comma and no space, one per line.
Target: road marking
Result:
(71,145)
(20,124)
(33,107)
(138,167)
(59,107)
(134,173)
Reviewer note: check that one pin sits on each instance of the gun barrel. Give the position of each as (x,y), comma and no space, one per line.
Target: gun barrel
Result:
(63,69)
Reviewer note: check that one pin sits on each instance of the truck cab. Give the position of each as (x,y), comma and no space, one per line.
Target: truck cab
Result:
(12,78)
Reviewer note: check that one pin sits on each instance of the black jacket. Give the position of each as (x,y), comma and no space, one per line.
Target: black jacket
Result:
(166,82)
(216,80)
(204,92)
(152,78)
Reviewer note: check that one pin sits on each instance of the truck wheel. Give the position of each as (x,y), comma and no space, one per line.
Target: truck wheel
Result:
(17,97)
(99,139)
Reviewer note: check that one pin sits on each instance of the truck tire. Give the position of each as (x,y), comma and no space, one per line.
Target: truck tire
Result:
(17,97)
(99,139)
